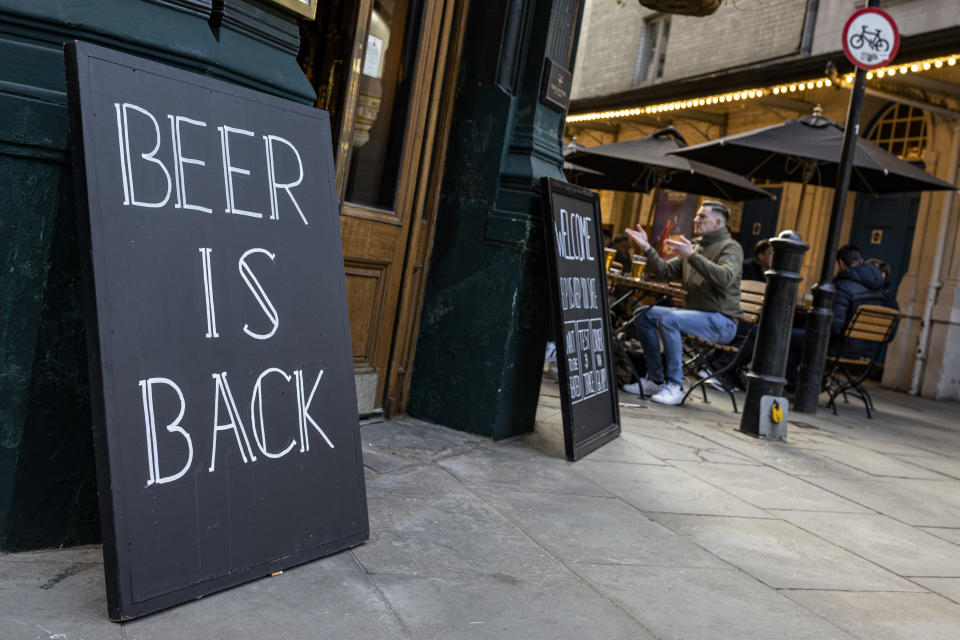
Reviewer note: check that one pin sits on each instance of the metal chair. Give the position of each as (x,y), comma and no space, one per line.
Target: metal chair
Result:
(870,327)
(698,352)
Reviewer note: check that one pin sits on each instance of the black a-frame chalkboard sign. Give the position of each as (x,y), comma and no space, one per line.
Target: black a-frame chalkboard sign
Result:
(224,407)
(581,321)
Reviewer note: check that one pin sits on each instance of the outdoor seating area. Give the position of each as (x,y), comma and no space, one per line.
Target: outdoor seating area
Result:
(804,150)
(707,363)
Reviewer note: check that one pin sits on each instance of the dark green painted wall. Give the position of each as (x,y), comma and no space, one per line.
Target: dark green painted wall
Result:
(47,475)
(485,315)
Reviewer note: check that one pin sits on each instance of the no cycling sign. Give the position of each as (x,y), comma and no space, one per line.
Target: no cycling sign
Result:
(871,38)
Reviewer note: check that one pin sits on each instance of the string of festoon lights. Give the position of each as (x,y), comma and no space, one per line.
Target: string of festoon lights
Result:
(743,95)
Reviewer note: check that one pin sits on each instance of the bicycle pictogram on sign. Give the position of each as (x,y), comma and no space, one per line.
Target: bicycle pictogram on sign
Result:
(873,38)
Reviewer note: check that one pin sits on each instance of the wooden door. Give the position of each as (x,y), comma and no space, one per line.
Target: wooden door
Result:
(883,228)
(759,220)
(389,93)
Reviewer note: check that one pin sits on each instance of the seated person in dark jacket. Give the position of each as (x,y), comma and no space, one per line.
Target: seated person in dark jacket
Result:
(857,283)
(754,267)
(889,295)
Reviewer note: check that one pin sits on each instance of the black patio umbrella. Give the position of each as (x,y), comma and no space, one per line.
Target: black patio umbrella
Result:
(644,164)
(807,150)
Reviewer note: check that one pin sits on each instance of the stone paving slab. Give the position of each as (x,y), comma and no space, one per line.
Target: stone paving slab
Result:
(328,598)
(665,489)
(941,464)
(415,440)
(921,503)
(797,461)
(422,480)
(950,535)
(782,555)
(521,468)
(379,462)
(893,444)
(947,587)
(625,449)
(501,607)
(331,597)
(598,531)
(706,604)
(768,488)
(676,444)
(893,545)
(446,536)
(874,463)
(885,616)
(56,596)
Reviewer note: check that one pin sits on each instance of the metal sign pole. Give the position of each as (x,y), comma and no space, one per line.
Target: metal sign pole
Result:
(814,356)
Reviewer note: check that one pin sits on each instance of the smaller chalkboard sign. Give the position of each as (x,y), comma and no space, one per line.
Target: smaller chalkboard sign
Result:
(578,295)
(555,85)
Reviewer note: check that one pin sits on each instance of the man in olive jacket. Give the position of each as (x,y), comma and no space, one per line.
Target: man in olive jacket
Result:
(710,269)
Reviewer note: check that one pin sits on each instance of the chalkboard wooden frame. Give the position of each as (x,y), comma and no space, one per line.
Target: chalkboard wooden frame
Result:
(583,431)
(333,517)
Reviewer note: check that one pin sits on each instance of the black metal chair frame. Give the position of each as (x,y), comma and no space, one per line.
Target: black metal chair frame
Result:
(618,333)
(870,323)
(697,352)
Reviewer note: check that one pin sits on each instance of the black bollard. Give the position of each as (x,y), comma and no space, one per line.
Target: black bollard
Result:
(765,377)
(814,356)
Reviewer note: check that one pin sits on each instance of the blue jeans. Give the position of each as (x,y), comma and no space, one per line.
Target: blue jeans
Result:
(671,322)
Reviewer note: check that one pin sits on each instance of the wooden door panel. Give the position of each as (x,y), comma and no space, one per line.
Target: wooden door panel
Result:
(373,250)
(366,288)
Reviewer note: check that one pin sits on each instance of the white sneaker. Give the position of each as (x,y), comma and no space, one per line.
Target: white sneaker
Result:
(551,353)
(649,387)
(670,393)
(716,384)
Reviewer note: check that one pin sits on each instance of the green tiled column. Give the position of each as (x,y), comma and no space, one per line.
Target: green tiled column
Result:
(480,350)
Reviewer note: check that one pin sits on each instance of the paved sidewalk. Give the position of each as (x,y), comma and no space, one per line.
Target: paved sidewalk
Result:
(681,528)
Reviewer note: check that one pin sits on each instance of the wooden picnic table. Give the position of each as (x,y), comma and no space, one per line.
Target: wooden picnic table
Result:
(645,288)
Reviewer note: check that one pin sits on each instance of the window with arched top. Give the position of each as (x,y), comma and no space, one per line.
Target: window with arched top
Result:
(902,130)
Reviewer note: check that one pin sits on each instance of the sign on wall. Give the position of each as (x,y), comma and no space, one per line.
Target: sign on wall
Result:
(555,85)
(225,419)
(578,294)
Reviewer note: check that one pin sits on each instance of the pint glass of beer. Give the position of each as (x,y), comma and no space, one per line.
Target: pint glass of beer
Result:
(638,266)
(608,256)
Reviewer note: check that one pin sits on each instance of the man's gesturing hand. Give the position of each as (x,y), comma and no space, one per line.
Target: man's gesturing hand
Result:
(639,237)
(683,246)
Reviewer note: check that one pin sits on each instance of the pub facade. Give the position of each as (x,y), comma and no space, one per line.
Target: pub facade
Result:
(440,136)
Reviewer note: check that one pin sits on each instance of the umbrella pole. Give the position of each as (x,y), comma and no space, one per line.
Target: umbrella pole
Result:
(803,196)
(814,356)
(653,205)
